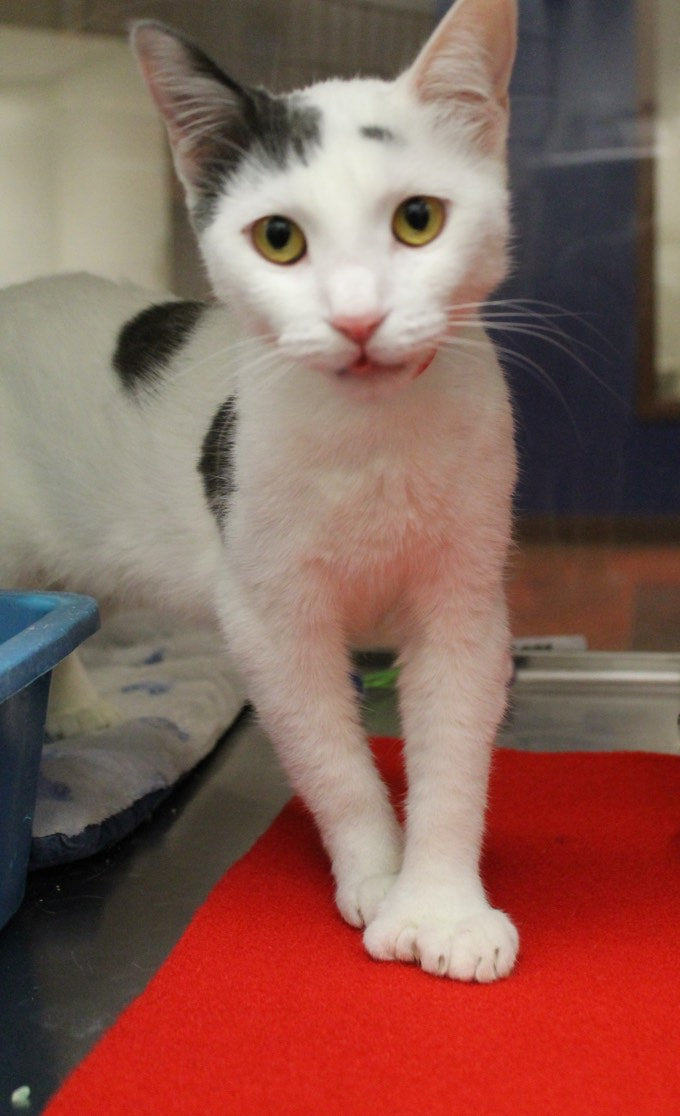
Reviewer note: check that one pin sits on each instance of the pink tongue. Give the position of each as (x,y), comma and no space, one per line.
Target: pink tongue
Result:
(425,365)
(365,367)
(362,367)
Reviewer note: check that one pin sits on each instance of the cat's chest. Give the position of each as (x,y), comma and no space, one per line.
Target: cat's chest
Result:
(377,499)
(381,501)
(353,513)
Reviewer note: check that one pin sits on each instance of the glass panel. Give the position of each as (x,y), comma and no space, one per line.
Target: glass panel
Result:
(589,467)
(667,198)
(659,207)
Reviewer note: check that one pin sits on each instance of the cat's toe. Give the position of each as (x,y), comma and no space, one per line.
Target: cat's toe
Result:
(484,947)
(359,903)
(480,947)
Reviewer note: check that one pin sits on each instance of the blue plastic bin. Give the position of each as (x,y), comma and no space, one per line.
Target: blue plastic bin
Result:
(37,630)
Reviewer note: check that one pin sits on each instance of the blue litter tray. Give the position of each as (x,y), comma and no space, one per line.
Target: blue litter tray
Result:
(37,630)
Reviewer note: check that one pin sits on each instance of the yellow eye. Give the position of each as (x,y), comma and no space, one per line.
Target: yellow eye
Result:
(279,239)
(417,221)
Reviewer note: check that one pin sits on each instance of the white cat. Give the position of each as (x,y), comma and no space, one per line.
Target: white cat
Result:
(327,446)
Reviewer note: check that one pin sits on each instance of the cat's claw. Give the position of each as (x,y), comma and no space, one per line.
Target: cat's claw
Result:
(359,903)
(481,946)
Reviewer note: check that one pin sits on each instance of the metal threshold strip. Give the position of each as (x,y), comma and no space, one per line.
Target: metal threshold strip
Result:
(594,701)
(596,668)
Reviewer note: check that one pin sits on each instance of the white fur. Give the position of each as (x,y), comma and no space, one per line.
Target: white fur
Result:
(358,498)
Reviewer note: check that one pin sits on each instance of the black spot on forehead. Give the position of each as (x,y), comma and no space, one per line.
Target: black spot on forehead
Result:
(377,132)
(270,129)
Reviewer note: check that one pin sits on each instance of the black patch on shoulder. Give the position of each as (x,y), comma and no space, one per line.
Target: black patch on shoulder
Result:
(148,341)
(215,464)
(375,132)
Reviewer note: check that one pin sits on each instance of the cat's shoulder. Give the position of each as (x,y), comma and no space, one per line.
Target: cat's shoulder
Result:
(147,341)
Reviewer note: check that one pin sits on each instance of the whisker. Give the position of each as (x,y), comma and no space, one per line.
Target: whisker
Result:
(569,349)
(523,320)
(234,348)
(526,362)
(543,313)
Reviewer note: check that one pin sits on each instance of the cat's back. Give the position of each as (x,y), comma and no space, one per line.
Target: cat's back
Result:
(43,302)
(104,388)
(72,292)
(63,323)
(76,345)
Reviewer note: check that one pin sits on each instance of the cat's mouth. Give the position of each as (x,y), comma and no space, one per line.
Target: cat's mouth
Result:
(364,367)
(367,370)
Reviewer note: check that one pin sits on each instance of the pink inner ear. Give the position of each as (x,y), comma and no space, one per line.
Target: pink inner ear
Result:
(157,54)
(465,69)
(470,55)
(188,99)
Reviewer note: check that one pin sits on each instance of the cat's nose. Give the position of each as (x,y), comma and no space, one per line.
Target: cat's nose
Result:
(358,328)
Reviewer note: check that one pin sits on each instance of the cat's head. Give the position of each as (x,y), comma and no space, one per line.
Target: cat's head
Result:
(350,224)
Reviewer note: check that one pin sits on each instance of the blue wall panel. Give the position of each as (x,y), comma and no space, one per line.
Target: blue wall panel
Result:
(573,159)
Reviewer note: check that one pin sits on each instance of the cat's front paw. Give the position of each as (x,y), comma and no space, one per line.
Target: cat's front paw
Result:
(358,902)
(477,945)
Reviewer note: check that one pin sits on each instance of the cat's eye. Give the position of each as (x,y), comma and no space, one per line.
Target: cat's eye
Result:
(419,220)
(279,239)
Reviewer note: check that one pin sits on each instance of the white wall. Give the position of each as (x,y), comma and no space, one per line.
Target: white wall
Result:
(84,181)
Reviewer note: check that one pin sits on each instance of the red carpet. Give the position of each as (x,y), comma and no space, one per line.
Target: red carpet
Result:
(269,1005)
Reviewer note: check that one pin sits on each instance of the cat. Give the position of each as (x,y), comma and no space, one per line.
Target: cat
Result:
(325,449)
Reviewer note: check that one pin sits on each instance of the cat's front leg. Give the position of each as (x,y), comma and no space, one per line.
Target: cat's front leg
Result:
(452,698)
(298,676)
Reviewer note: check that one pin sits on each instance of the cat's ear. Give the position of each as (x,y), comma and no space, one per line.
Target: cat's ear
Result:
(464,68)
(203,109)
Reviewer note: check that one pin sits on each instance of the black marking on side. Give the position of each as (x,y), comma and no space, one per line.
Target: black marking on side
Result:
(215,464)
(148,341)
(375,132)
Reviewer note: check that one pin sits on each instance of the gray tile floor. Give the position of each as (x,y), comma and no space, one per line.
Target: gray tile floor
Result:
(89,936)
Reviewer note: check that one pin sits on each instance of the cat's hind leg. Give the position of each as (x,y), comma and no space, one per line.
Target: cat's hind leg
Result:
(74,706)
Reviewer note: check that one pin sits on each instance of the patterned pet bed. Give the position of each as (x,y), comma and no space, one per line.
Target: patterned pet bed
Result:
(177,693)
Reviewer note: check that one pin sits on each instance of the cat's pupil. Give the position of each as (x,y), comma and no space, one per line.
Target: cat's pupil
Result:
(417,213)
(278,232)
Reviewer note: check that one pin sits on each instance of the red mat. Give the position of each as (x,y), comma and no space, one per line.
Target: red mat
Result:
(268,1004)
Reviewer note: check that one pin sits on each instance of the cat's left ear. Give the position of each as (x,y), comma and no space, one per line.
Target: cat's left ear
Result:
(464,68)
(205,112)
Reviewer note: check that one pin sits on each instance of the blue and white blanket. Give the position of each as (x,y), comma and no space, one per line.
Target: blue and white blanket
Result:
(177,693)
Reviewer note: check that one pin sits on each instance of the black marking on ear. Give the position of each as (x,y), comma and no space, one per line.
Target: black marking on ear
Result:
(147,342)
(213,122)
(376,132)
(272,129)
(284,126)
(215,464)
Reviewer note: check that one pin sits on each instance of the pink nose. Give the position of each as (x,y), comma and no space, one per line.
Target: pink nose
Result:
(358,328)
